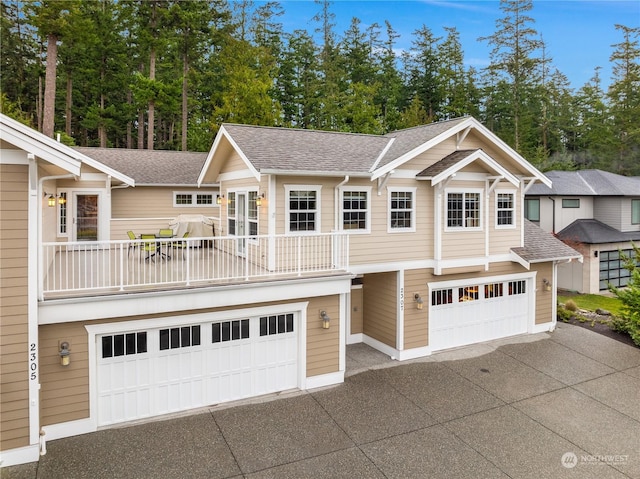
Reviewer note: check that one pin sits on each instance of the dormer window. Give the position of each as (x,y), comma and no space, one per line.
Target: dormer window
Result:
(463,210)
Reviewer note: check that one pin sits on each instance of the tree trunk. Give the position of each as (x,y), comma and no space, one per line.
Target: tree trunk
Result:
(129,127)
(152,105)
(68,103)
(140,129)
(48,119)
(102,133)
(185,72)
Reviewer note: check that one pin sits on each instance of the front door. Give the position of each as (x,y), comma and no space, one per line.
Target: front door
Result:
(86,220)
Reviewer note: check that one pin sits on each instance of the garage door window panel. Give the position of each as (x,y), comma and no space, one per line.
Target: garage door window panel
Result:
(124,344)
(183,337)
(517,287)
(230,331)
(277,324)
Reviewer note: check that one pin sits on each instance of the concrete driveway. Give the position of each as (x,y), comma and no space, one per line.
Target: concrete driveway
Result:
(561,404)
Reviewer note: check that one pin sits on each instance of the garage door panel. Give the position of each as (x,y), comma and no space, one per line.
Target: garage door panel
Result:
(186,367)
(489,312)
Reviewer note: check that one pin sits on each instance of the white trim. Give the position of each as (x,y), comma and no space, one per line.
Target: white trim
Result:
(401,294)
(235,175)
(68,429)
(324,380)
(472,157)
(355,338)
(34,238)
(368,212)
(70,310)
(414,353)
(344,308)
(194,197)
(549,326)
(463,192)
(481,280)
(13,157)
(381,155)
(288,188)
(19,455)
(393,353)
(514,210)
(414,202)
(223,133)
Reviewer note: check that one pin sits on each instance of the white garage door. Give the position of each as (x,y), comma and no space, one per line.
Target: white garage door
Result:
(478,312)
(158,371)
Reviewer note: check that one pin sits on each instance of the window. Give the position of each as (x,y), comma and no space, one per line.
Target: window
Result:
(463,210)
(441,296)
(355,209)
(124,344)
(252,217)
(494,290)
(468,293)
(635,212)
(571,202)
(303,208)
(181,337)
(612,268)
(402,210)
(62,214)
(277,324)
(532,209)
(505,210)
(517,287)
(229,330)
(185,198)
(231,213)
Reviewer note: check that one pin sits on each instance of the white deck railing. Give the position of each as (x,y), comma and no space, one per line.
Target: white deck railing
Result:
(85,268)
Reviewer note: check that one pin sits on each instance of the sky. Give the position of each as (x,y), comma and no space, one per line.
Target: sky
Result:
(578,33)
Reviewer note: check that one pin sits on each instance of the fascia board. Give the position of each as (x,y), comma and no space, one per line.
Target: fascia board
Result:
(420,149)
(108,171)
(223,133)
(381,155)
(315,173)
(470,159)
(209,159)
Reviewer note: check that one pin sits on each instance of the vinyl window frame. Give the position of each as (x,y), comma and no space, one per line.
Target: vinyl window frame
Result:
(464,192)
(317,211)
(513,209)
(367,210)
(193,202)
(397,189)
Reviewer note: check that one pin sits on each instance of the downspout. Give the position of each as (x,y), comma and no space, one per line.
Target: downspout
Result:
(336,203)
(553,215)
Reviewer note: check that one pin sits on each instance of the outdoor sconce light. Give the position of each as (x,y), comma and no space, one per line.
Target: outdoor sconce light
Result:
(325,319)
(64,353)
(219,199)
(259,200)
(51,201)
(546,284)
(418,300)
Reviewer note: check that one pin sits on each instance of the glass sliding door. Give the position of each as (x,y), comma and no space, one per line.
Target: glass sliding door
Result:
(86,227)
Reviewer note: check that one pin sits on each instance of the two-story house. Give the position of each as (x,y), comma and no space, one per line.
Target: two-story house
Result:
(598,214)
(411,242)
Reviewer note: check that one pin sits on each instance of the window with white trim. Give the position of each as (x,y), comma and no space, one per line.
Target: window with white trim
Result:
(192,199)
(252,213)
(505,209)
(231,213)
(62,214)
(355,211)
(402,209)
(463,210)
(303,208)
(635,212)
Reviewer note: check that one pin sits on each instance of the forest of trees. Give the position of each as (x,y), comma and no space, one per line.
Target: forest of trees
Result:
(164,74)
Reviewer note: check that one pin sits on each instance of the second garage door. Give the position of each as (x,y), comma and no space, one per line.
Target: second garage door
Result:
(477,312)
(157,371)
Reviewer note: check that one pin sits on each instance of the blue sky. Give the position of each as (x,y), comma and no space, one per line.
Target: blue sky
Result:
(578,33)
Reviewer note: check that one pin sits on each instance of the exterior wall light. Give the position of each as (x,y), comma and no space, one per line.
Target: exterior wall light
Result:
(546,284)
(51,201)
(418,300)
(219,199)
(64,354)
(326,320)
(259,199)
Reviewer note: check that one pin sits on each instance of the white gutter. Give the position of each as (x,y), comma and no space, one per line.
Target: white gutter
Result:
(336,203)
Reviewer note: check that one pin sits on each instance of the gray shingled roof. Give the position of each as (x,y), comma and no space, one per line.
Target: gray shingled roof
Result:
(328,151)
(287,149)
(587,183)
(445,163)
(151,167)
(540,246)
(592,231)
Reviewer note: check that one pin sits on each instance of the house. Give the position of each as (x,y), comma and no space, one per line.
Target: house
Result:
(595,212)
(411,242)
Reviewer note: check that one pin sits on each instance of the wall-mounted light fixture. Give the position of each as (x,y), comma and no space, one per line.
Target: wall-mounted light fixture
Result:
(51,201)
(259,199)
(418,299)
(326,320)
(64,353)
(546,284)
(219,199)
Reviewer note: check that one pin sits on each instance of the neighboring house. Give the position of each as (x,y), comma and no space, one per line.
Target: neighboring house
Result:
(595,212)
(411,242)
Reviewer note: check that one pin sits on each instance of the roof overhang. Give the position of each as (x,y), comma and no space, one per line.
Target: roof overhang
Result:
(472,157)
(211,169)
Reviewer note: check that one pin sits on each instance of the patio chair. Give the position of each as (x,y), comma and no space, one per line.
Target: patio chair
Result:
(165,233)
(133,244)
(149,246)
(181,245)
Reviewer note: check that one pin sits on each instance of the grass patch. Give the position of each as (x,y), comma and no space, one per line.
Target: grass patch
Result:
(591,302)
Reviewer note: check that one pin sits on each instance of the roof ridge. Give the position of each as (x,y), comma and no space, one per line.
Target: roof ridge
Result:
(307,130)
(433,123)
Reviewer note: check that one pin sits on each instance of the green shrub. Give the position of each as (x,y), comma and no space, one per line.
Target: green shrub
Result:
(629,320)
(564,315)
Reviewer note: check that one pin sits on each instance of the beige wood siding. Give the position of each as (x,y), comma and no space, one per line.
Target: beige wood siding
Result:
(356,311)
(416,321)
(234,163)
(65,390)
(380,307)
(544,299)
(14,315)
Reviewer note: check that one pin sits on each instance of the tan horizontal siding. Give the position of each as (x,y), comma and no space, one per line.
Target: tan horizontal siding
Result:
(380,312)
(544,299)
(234,163)
(14,319)
(155,202)
(356,311)
(416,321)
(323,345)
